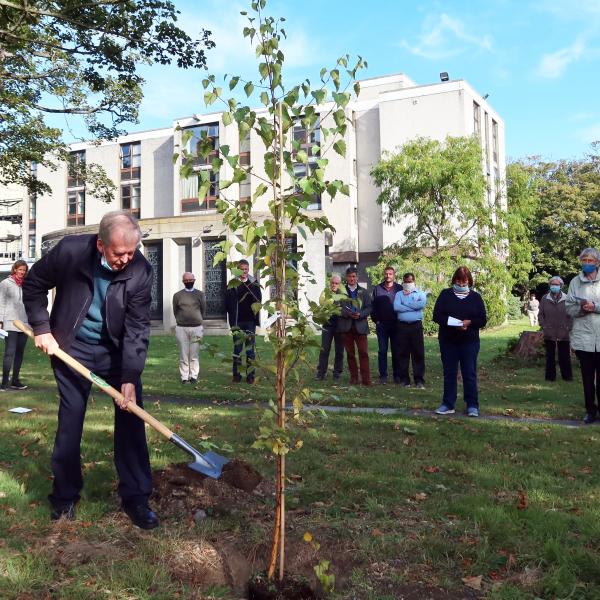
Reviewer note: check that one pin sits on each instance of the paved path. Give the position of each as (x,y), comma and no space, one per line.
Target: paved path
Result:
(413,412)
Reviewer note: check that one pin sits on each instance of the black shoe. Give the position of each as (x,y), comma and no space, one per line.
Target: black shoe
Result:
(184,381)
(420,385)
(336,377)
(3,388)
(142,516)
(319,377)
(65,512)
(589,418)
(383,380)
(405,384)
(250,380)
(192,380)
(17,385)
(397,380)
(237,379)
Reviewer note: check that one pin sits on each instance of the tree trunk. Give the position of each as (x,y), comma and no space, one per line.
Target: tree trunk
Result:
(530,345)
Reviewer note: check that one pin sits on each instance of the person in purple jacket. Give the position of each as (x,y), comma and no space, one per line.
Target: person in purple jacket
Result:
(460,313)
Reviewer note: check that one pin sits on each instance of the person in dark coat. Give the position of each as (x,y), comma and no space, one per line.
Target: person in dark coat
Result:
(354,327)
(556,325)
(243,320)
(101,317)
(460,313)
(384,317)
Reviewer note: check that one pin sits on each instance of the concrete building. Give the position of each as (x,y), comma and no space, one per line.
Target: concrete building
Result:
(181,234)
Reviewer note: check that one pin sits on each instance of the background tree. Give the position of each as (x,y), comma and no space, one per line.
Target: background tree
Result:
(78,58)
(321,113)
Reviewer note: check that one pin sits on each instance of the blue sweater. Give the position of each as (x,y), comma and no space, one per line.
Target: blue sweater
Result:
(471,307)
(93,329)
(409,307)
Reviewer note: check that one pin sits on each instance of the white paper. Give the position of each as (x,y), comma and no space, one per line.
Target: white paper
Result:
(3,333)
(270,320)
(452,322)
(19,410)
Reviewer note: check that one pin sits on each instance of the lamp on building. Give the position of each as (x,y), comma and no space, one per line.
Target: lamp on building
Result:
(444,76)
(207,228)
(485,96)
(146,233)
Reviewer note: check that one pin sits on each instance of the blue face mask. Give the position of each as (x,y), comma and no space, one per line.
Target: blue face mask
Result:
(460,288)
(555,289)
(588,268)
(105,264)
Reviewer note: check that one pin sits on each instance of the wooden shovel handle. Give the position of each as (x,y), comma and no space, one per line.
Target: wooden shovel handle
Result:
(103,385)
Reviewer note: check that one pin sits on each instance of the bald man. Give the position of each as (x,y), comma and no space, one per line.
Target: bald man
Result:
(189,308)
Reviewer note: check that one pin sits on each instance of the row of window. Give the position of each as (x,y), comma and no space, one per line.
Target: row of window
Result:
(477,130)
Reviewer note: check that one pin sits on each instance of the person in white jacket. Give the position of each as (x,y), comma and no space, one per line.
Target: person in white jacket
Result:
(11,308)
(583,304)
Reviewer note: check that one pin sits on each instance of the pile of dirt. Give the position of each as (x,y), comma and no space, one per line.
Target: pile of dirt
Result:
(181,492)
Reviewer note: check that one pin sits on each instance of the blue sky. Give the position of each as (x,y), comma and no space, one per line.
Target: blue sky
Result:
(539,61)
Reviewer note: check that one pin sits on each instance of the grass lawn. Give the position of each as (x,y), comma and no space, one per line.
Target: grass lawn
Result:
(398,504)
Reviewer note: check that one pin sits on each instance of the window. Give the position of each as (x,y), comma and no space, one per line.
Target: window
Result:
(32,210)
(75,208)
(131,161)
(76,189)
(309,140)
(495,141)
(189,193)
(130,198)
(245,186)
(477,119)
(31,250)
(487,143)
(202,137)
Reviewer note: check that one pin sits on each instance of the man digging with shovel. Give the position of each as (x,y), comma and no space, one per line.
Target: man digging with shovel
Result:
(101,317)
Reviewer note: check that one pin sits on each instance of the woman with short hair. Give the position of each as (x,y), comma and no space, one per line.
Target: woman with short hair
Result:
(460,313)
(11,308)
(583,304)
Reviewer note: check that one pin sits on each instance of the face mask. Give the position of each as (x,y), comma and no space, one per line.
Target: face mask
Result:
(189,285)
(409,287)
(555,289)
(588,268)
(105,264)
(460,288)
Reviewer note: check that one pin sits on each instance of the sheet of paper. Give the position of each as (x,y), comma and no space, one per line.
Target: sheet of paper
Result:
(270,320)
(19,410)
(452,322)
(3,333)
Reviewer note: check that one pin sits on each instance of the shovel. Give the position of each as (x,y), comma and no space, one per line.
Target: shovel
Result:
(210,463)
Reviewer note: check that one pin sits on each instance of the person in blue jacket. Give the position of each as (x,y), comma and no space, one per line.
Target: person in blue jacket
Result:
(460,313)
(409,305)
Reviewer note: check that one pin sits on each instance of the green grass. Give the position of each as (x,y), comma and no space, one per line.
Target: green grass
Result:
(413,501)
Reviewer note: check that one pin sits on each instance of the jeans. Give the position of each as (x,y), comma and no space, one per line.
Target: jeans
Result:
(466,355)
(386,336)
(564,359)
(411,345)
(130,448)
(329,335)
(244,335)
(590,375)
(14,348)
(351,338)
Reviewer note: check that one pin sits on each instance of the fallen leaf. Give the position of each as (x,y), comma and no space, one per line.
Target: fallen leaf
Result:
(473,582)
(420,496)
(522,502)
(377,532)
(431,469)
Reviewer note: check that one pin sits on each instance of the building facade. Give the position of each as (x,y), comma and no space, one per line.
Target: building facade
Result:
(180,233)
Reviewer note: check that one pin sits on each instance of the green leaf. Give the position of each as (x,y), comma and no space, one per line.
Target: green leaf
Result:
(357,88)
(233,82)
(227,118)
(301,156)
(249,88)
(319,96)
(264,98)
(263,69)
(340,147)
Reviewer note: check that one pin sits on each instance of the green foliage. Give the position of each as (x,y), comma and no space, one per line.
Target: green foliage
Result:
(74,58)
(514,308)
(439,188)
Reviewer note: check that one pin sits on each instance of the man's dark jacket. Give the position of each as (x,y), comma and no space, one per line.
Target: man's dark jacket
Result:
(68,267)
(362,305)
(382,310)
(247,291)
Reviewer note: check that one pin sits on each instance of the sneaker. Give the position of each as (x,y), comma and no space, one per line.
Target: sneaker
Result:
(420,385)
(3,388)
(472,411)
(444,410)
(64,512)
(405,384)
(192,380)
(589,418)
(17,385)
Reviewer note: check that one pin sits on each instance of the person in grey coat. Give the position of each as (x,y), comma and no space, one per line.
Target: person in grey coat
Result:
(583,304)
(12,308)
(556,325)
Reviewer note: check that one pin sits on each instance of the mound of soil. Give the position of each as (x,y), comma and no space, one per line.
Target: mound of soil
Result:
(291,588)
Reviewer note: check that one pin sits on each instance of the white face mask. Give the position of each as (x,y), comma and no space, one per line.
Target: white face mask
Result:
(409,287)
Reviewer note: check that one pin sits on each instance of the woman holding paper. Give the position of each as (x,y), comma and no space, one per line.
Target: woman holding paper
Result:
(583,304)
(11,308)
(460,313)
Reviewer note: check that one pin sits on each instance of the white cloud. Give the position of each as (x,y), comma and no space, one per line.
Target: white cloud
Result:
(443,36)
(553,65)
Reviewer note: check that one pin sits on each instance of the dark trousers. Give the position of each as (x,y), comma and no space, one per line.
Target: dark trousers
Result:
(14,348)
(130,448)
(465,355)
(590,375)
(411,346)
(564,359)
(386,338)
(244,335)
(329,335)
(351,339)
